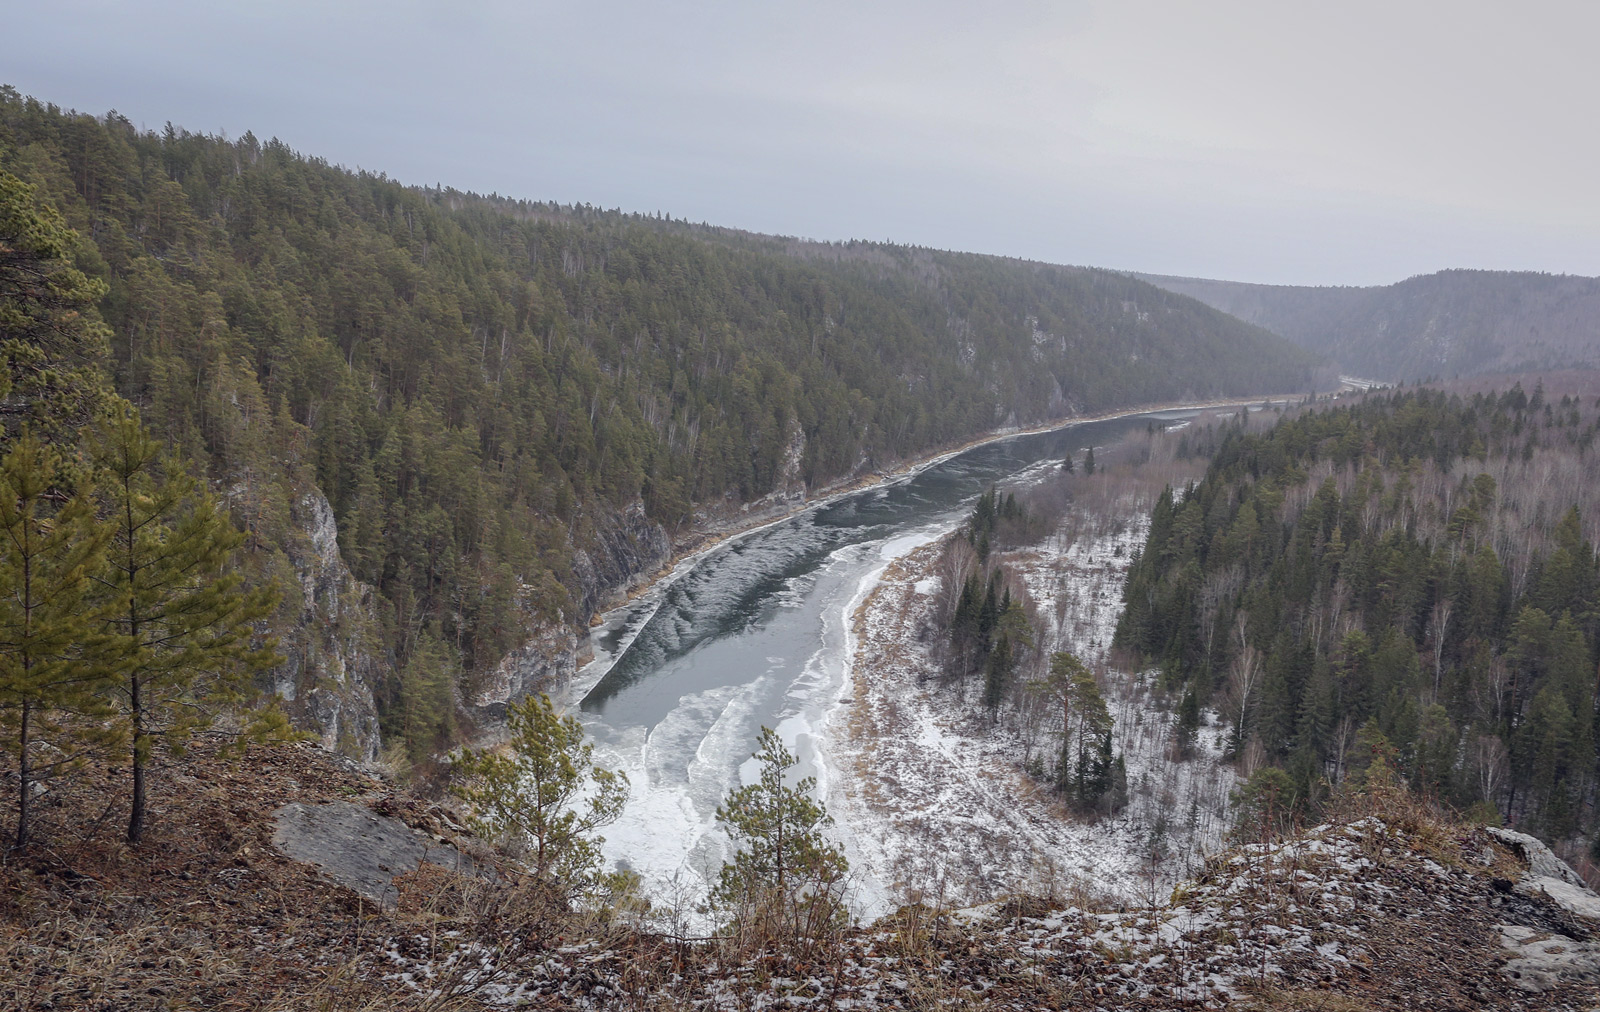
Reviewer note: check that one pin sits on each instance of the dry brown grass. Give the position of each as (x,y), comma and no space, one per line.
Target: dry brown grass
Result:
(1301,999)
(205,914)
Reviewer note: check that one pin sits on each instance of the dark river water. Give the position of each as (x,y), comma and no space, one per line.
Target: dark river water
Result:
(753,633)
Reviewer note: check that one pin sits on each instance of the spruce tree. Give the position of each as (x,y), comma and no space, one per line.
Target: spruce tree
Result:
(1012,636)
(1188,728)
(1091,776)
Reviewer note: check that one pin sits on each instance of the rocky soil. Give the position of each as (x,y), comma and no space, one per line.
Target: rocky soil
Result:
(1389,907)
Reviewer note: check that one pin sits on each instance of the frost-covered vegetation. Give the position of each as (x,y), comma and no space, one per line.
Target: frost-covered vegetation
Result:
(977,773)
(1411,577)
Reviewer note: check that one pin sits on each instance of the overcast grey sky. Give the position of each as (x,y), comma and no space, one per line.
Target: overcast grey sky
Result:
(1259,140)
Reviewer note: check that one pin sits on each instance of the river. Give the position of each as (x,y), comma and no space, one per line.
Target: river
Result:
(753,633)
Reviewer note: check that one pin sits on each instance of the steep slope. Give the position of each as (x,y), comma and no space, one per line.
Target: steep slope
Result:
(511,407)
(1386,906)
(1458,322)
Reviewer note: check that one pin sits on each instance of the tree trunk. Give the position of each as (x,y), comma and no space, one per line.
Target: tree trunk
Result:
(25,791)
(25,788)
(136,817)
(135,699)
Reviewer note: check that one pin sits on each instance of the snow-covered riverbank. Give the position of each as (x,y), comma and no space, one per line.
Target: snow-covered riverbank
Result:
(932,800)
(761,630)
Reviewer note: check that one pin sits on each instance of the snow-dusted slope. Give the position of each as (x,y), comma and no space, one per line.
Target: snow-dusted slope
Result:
(932,799)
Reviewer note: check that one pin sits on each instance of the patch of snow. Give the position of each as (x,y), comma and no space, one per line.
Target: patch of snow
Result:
(932,798)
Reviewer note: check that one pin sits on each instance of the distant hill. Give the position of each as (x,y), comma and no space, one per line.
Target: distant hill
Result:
(1453,323)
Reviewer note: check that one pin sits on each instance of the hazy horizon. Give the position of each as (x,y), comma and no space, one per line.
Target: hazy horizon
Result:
(1240,142)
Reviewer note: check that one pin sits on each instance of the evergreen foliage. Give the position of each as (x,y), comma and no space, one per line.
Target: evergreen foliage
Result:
(1403,584)
(481,386)
(122,620)
(183,626)
(786,881)
(54,665)
(52,343)
(543,793)
(1086,770)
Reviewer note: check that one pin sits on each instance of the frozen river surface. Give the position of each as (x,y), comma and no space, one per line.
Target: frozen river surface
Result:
(754,633)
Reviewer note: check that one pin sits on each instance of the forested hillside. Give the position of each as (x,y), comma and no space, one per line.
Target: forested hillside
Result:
(488,391)
(1453,323)
(1411,580)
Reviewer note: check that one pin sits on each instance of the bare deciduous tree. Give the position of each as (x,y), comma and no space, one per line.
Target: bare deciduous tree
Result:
(1493,765)
(1439,625)
(1242,678)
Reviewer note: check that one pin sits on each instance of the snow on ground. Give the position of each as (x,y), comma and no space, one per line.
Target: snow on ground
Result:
(934,802)
(1178,809)
(1362,913)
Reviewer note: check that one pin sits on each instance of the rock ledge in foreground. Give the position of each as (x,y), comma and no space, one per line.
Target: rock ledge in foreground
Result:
(359,849)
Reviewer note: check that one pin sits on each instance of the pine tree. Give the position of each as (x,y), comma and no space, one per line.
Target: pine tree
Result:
(786,880)
(183,627)
(1012,636)
(52,665)
(1265,805)
(1087,768)
(1188,726)
(1091,774)
(1057,687)
(52,343)
(543,792)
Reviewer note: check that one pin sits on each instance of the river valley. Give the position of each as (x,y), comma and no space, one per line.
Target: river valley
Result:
(754,632)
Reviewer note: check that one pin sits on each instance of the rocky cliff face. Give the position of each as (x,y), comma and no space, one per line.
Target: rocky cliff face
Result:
(545,660)
(628,550)
(335,658)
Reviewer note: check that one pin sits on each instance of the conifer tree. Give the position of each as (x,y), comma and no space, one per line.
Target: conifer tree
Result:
(52,669)
(786,880)
(1188,727)
(1012,636)
(1091,771)
(532,792)
(1264,805)
(1057,687)
(52,343)
(183,626)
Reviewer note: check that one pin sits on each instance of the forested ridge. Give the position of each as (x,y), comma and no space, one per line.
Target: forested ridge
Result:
(482,386)
(1447,324)
(1408,585)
